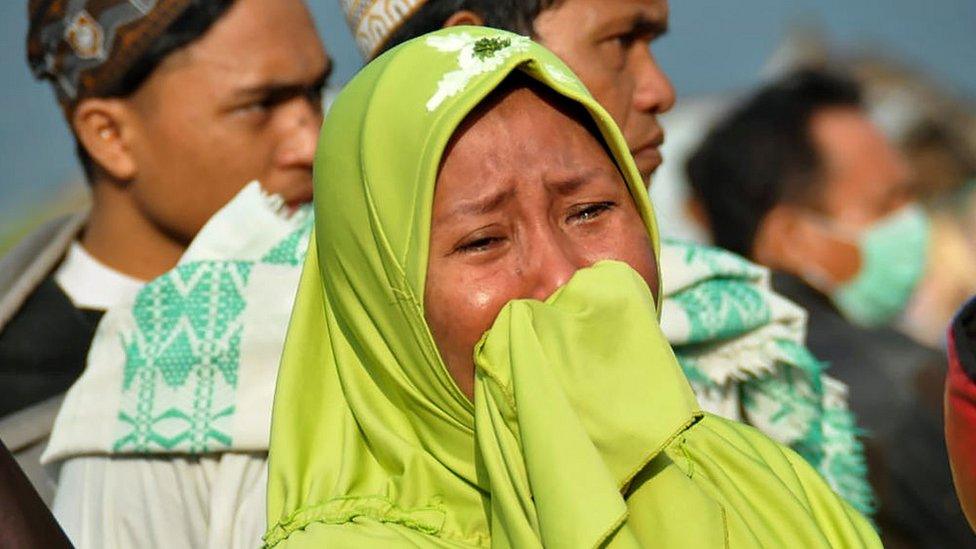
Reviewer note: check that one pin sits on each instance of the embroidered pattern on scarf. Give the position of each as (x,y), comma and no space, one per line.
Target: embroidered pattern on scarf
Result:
(182,360)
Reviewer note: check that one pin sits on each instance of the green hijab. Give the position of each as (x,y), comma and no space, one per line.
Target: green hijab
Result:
(583,431)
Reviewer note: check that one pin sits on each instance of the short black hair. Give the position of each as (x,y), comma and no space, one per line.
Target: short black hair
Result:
(192,24)
(762,154)
(511,15)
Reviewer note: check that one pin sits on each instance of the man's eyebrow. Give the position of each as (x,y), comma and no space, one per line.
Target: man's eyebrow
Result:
(484,205)
(645,24)
(286,87)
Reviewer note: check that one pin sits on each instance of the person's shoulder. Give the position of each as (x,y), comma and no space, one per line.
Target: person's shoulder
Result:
(896,345)
(43,337)
(29,263)
(770,482)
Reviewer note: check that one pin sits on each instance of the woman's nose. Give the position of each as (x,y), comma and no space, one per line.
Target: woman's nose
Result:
(551,262)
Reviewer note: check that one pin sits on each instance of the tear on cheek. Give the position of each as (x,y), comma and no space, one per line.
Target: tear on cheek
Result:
(481,299)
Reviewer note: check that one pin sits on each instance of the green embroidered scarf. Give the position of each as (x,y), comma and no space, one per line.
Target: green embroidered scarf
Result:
(583,431)
(190,367)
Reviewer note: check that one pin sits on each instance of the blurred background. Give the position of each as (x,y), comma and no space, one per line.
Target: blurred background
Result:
(918,58)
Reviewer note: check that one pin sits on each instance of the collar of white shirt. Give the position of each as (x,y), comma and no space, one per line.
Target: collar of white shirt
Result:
(91,284)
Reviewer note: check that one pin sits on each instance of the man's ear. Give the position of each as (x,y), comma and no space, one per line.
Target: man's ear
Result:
(792,240)
(695,210)
(103,126)
(464,17)
(779,236)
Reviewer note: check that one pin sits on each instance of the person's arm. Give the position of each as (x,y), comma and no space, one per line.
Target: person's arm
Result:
(24,519)
(960,408)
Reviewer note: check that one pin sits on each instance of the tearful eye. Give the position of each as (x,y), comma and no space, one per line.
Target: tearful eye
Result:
(480,244)
(589,212)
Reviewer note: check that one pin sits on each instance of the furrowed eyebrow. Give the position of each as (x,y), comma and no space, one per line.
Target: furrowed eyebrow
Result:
(569,185)
(486,205)
(563,186)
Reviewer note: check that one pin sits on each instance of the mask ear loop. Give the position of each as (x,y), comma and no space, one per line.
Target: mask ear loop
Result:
(815,275)
(819,279)
(851,236)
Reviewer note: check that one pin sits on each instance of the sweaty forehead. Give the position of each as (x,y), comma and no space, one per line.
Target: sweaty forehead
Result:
(524,127)
(521,135)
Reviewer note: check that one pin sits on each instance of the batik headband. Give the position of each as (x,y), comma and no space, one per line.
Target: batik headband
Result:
(85,47)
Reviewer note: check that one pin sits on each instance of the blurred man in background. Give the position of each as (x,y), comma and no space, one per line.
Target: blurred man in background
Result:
(175,106)
(799,179)
(729,353)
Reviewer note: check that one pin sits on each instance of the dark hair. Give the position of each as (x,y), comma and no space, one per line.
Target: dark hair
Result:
(511,15)
(195,21)
(762,154)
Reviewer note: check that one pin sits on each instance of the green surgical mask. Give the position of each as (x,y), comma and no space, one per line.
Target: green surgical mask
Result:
(893,254)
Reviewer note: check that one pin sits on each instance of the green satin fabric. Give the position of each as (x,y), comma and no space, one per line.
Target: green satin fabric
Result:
(583,431)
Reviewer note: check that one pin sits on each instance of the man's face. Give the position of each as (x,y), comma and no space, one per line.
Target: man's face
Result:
(241,103)
(865,179)
(607,44)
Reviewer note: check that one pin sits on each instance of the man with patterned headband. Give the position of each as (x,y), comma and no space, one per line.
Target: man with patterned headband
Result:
(741,345)
(175,105)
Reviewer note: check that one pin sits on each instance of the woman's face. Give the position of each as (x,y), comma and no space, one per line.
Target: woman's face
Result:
(525,197)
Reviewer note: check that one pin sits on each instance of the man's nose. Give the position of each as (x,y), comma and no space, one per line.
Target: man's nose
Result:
(549,264)
(301,135)
(653,92)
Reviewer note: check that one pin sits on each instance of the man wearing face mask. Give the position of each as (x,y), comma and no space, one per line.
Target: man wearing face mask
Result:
(800,180)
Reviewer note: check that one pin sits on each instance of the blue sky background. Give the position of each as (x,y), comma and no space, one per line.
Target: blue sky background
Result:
(715,46)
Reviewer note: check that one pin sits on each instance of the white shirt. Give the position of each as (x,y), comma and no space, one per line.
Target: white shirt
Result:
(207,502)
(90,284)
(120,502)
